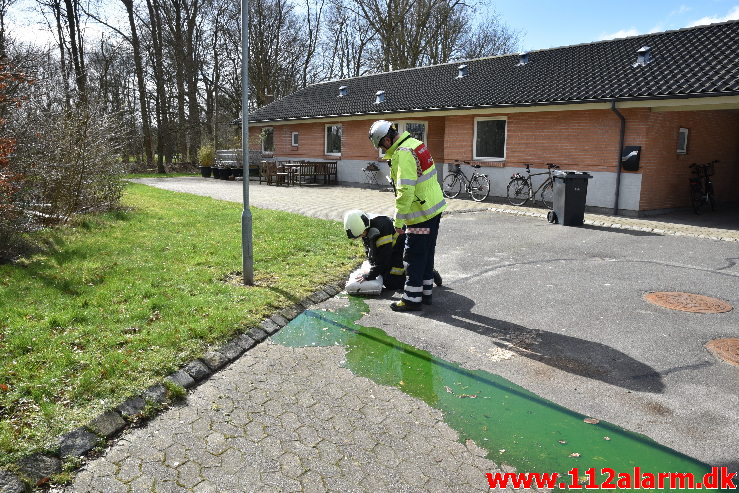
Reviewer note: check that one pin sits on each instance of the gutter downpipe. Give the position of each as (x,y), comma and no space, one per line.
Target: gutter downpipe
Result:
(620,154)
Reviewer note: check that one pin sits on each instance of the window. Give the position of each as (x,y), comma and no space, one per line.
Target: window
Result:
(295,139)
(268,140)
(415,128)
(490,136)
(682,141)
(333,139)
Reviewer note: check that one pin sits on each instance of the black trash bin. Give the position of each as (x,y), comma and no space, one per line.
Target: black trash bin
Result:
(570,191)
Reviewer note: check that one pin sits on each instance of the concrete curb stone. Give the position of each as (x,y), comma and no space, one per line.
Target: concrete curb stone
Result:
(39,466)
(231,350)
(214,360)
(10,483)
(319,296)
(198,370)
(259,335)
(131,408)
(181,378)
(156,393)
(279,320)
(107,424)
(269,326)
(246,342)
(77,442)
(292,311)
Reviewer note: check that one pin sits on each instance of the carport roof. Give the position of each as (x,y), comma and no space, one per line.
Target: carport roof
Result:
(686,63)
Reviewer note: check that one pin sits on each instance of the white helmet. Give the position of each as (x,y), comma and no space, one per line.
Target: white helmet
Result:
(355,222)
(381,129)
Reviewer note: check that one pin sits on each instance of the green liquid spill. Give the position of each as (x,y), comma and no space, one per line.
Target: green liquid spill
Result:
(495,413)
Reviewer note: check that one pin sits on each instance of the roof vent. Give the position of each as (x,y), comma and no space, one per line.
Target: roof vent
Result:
(464,71)
(644,56)
(523,59)
(343,91)
(379,97)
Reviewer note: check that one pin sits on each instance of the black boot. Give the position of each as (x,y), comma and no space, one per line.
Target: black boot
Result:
(437,278)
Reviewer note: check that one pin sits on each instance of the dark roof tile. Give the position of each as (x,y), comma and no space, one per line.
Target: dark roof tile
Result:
(699,61)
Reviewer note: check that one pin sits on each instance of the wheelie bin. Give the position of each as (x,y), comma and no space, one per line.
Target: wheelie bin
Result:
(570,191)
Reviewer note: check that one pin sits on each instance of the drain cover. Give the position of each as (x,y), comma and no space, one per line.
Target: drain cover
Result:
(725,349)
(688,302)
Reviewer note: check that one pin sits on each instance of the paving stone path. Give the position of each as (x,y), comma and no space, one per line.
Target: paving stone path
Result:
(290,419)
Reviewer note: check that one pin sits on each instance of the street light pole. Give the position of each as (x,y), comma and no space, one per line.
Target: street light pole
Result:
(246,231)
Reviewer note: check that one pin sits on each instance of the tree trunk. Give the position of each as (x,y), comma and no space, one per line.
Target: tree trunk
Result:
(141,83)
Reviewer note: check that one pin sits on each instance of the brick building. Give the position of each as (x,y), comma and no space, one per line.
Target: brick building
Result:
(673,97)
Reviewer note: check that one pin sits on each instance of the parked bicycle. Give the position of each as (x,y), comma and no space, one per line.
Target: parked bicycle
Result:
(478,186)
(701,187)
(521,188)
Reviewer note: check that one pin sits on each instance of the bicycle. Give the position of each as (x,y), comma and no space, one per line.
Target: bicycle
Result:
(520,189)
(478,186)
(701,187)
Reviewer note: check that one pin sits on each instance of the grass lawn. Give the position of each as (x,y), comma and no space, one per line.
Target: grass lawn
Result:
(118,301)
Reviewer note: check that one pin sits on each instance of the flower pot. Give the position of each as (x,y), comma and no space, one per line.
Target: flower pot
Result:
(225,174)
(216,173)
(205,171)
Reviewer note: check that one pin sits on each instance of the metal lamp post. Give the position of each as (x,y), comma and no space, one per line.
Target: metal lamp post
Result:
(246,231)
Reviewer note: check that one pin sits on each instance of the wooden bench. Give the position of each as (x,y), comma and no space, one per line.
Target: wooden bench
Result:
(310,171)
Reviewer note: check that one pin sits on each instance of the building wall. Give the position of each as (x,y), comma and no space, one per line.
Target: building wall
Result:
(711,135)
(575,140)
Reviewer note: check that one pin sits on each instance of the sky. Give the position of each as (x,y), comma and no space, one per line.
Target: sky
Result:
(542,23)
(549,24)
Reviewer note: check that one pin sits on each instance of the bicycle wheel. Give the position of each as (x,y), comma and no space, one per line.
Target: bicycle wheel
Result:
(479,188)
(696,200)
(710,196)
(547,195)
(518,191)
(452,186)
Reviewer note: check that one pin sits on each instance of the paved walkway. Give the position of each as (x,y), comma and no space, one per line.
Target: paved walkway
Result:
(331,202)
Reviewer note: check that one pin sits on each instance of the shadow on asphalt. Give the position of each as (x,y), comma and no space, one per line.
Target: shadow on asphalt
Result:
(618,230)
(571,354)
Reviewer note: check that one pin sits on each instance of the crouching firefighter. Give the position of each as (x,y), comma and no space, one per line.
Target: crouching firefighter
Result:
(384,264)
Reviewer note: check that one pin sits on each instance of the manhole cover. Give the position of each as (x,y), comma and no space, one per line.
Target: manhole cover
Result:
(688,302)
(725,349)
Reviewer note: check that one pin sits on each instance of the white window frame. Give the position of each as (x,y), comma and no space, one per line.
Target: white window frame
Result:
(264,151)
(295,139)
(325,138)
(402,125)
(474,139)
(684,148)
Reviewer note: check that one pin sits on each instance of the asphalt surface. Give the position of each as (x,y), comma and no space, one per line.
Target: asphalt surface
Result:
(558,310)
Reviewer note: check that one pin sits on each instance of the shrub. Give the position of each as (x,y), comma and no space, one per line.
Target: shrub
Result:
(206,155)
(54,162)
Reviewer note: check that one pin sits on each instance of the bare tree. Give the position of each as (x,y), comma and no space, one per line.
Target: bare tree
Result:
(139,64)
(346,41)
(4,6)
(488,38)
(76,44)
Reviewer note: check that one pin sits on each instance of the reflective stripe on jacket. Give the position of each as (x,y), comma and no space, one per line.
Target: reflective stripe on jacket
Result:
(418,195)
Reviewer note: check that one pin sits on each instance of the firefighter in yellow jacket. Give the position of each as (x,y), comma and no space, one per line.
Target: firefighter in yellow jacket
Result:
(418,206)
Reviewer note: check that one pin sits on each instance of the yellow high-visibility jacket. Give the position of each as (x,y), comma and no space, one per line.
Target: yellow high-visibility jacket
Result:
(418,195)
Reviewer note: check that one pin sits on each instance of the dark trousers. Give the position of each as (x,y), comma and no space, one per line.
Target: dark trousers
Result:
(418,258)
